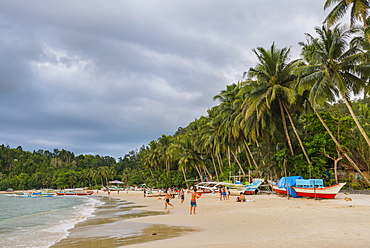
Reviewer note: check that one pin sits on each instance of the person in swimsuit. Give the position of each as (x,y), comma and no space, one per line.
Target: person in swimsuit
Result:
(193,201)
(241,198)
(182,195)
(167,200)
(224,193)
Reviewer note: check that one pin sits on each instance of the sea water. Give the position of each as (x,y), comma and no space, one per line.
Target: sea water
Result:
(41,221)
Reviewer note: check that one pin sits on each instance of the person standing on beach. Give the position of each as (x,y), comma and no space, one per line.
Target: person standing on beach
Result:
(193,201)
(167,200)
(182,195)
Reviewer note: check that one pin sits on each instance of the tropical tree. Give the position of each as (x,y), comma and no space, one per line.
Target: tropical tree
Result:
(273,91)
(359,10)
(164,143)
(333,69)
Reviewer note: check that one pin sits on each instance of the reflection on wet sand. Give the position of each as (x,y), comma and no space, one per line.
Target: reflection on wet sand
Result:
(107,228)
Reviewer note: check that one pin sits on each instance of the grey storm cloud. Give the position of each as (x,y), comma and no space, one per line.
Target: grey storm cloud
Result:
(106,77)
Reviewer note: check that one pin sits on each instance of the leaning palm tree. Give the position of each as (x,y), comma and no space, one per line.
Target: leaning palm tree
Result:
(332,71)
(334,68)
(359,10)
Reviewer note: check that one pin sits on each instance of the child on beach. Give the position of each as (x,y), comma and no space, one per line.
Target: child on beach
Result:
(167,200)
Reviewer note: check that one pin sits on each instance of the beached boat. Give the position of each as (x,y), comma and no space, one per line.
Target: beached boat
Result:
(299,187)
(315,188)
(253,187)
(74,192)
(276,189)
(214,186)
(208,187)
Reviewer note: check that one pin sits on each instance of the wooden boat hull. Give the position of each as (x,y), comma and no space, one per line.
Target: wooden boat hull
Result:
(325,192)
(249,192)
(276,189)
(75,193)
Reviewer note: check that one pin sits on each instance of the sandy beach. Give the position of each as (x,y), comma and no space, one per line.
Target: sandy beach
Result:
(265,221)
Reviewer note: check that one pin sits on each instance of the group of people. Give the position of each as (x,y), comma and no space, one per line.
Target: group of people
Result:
(193,200)
(224,193)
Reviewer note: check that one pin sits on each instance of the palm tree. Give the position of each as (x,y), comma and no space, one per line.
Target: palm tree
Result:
(334,69)
(164,144)
(187,155)
(359,11)
(273,88)
(151,156)
(332,72)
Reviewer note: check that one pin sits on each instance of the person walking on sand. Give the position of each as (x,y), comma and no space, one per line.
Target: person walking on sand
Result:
(167,200)
(193,201)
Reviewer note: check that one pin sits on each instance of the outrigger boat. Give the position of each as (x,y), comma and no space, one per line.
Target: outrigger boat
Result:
(35,194)
(214,186)
(74,192)
(315,188)
(299,187)
(252,188)
(208,187)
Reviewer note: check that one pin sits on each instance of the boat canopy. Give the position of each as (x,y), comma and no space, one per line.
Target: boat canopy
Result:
(288,183)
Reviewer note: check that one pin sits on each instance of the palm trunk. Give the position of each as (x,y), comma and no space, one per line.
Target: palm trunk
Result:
(237,161)
(259,150)
(219,160)
(285,127)
(214,165)
(183,172)
(297,135)
(200,174)
(340,149)
(250,154)
(362,131)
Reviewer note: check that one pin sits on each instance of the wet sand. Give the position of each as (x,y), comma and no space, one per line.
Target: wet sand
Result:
(109,227)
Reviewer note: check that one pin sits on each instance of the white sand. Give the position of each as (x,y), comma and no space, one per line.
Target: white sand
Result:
(269,221)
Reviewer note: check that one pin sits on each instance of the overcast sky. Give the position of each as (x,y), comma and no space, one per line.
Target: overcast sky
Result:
(106,77)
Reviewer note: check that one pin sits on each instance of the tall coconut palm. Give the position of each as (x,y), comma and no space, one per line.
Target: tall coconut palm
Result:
(187,155)
(164,145)
(333,69)
(359,10)
(273,88)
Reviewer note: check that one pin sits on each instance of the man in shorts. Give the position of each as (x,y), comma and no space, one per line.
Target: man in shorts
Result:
(167,200)
(193,201)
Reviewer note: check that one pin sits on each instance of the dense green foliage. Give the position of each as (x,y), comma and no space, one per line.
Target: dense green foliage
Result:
(286,117)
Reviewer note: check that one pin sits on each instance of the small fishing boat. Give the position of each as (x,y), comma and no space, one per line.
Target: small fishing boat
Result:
(214,186)
(315,188)
(74,192)
(299,187)
(35,194)
(253,187)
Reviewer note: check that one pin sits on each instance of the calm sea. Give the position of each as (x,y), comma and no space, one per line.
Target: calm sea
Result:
(41,222)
